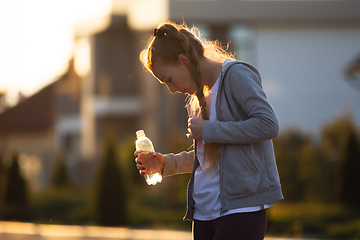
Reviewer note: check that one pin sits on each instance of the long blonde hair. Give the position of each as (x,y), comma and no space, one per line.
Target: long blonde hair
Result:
(169,41)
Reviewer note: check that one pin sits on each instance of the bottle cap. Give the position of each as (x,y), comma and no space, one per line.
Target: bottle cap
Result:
(140,133)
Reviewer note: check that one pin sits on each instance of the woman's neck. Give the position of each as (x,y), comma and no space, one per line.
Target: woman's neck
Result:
(210,71)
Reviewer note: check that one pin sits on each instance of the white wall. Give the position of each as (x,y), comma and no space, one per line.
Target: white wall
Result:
(303,72)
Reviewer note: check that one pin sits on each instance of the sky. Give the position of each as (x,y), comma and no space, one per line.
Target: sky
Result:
(36,40)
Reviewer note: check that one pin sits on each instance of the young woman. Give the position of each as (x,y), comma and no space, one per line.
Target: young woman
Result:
(234,174)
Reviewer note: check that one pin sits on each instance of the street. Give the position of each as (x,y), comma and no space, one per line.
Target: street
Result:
(31,231)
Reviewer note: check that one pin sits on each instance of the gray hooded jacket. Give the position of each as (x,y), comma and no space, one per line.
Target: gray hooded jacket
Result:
(245,125)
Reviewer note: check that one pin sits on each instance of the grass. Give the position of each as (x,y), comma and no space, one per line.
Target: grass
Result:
(65,206)
(156,207)
(313,220)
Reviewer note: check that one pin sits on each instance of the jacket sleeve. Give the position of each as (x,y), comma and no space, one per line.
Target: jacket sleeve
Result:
(178,163)
(261,122)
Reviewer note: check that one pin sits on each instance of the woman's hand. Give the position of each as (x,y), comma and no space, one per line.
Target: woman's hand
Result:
(142,158)
(195,127)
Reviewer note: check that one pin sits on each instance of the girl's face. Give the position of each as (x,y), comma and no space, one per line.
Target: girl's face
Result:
(176,76)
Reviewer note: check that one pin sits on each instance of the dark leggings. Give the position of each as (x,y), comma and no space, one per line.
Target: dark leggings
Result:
(244,226)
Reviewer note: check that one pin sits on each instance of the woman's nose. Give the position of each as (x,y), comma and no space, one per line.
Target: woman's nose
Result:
(172,89)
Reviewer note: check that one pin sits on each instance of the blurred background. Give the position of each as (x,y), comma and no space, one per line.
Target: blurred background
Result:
(73,93)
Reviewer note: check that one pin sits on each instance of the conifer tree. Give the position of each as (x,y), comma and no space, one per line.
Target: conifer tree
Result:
(60,176)
(16,200)
(340,141)
(350,171)
(2,175)
(2,181)
(111,193)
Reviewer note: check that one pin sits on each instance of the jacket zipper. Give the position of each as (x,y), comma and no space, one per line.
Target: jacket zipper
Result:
(221,182)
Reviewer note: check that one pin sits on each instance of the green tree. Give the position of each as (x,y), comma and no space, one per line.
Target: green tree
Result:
(128,165)
(111,193)
(288,150)
(340,143)
(314,173)
(60,176)
(350,171)
(304,171)
(16,199)
(321,171)
(2,176)
(2,182)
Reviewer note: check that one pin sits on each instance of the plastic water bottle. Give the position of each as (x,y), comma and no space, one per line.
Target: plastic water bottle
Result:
(143,143)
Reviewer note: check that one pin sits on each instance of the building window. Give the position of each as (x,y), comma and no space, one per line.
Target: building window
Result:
(243,42)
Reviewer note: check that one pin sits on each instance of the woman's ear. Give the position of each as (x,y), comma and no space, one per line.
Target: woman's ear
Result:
(184,59)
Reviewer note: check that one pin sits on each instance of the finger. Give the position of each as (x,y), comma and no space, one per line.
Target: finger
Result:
(190,121)
(138,152)
(140,167)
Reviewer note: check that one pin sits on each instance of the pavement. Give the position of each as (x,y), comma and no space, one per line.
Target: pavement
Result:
(31,231)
